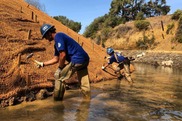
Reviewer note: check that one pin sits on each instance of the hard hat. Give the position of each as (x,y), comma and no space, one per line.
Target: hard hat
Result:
(110,50)
(45,28)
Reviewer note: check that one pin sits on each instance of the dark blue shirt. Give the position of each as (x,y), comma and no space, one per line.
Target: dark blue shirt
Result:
(113,59)
(74,52)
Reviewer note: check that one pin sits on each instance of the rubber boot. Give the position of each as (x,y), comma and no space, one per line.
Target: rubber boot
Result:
(120,77)
(128,78)
(59,90)
(86,94)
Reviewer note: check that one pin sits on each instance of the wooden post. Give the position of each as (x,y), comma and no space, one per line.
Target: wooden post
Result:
(67,31)
(21,10)
(28,80)
(78,40)
(32,15)
(82,44)
(29,34)
(163,36)
(162,25)
(19,59)
(93,45)
(35,18)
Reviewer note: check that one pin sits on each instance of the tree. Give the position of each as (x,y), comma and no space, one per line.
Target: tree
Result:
(122,11)
(129,9)
(36,4)
(75,26)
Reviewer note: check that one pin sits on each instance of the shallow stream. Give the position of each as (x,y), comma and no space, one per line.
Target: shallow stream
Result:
(156,95)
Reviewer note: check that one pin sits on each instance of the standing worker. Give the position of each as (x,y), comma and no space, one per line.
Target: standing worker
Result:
(66,49)
(122,63)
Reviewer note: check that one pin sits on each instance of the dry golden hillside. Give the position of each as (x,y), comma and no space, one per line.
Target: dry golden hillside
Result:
(20,36)
(126,35)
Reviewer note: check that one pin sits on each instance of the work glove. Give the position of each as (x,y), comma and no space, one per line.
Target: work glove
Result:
(39,64)
(103,68)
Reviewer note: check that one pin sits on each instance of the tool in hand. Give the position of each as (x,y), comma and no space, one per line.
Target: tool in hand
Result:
(38,64)
(29,56)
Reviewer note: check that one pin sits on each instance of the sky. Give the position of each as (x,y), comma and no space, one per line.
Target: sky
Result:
(85,11)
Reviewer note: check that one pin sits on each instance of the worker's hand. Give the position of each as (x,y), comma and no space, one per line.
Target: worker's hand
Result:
(103,68)
(39,64)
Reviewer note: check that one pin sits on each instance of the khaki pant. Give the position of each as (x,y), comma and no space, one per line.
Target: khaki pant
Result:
(126,66)
(68,71)
(127,73)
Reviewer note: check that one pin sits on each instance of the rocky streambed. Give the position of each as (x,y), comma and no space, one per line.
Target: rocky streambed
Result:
(155,57)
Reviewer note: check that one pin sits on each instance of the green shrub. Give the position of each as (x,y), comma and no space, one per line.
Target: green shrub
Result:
(141,44)
(140,16)
(145,42)
(122,30)
(178,36)
(169,27)
(176,15)
(105,34)
(98,39)
(142,24)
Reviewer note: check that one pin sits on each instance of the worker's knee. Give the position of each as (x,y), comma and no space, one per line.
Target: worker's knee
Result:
(57,74)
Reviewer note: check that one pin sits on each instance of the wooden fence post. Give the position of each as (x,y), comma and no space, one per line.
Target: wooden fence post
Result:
(32,15)
(19,59)
(82,44)
(163,36)
(28,80)
(29,34)
(162,25)
(78,40)
(21,11)
(35,18)
(92,45)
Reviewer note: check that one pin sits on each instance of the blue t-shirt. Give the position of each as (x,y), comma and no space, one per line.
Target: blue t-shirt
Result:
(74,52)
(113,59)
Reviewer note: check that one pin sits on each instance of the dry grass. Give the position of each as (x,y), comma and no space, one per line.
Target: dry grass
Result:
(163,40)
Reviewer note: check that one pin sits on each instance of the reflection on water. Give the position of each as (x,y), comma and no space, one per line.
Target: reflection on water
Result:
(165,114)
(156,95)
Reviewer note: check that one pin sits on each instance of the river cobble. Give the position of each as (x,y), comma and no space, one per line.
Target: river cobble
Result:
(155,57)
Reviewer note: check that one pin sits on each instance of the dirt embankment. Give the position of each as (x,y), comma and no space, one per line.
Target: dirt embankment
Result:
(20,35)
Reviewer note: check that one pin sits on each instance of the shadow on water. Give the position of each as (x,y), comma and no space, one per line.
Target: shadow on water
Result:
(156,95)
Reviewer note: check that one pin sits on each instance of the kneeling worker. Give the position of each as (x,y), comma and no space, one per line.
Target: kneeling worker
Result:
(122,62)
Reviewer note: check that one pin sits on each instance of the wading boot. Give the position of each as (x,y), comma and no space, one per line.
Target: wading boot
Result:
(120,77)
(130,81)
(59,90)
(86,94)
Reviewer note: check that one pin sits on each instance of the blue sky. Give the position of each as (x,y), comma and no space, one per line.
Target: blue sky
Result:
(85,11)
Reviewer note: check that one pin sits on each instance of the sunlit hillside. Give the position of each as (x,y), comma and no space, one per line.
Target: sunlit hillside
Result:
(20,36)
(126,35)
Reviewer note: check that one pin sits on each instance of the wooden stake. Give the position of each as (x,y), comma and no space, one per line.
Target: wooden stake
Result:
(29,34)
(35,18)
(28,80)
(32,15)
(162,25)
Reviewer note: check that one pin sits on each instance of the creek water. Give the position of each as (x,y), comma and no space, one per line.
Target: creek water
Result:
(156,95)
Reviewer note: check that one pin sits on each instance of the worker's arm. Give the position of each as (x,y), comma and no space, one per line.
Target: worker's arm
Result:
(62,59)
(104,66)
(52,61)
(49,62)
